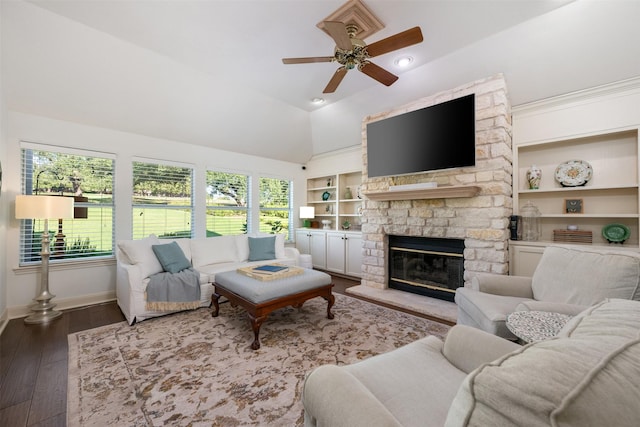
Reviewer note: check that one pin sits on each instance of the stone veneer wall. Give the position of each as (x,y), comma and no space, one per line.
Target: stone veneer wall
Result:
(482,221)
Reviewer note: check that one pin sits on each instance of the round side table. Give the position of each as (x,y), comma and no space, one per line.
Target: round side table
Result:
(533,326)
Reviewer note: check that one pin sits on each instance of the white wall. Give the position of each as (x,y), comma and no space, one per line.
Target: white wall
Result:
(78,284)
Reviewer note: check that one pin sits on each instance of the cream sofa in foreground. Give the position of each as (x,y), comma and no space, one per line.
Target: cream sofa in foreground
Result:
(589,375)
(136,261)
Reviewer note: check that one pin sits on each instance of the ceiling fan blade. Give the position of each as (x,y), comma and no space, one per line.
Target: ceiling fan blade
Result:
(308,60)
(395,42)
(378,73)
(338,32)
(335,80)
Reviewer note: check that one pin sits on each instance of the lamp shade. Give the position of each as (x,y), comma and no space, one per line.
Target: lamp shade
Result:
(307,212)
(43,207)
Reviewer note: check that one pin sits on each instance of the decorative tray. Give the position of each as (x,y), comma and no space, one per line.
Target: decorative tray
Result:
(573,173)
(616,233)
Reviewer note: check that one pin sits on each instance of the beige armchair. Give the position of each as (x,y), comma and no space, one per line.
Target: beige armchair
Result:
(567,280)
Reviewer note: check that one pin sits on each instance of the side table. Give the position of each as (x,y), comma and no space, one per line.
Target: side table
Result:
(533,326)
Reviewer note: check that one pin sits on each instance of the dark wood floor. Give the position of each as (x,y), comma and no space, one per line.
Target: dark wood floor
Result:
(34,362)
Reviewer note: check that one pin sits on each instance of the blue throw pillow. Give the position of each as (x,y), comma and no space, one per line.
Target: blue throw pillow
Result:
(261,248)
(171,257)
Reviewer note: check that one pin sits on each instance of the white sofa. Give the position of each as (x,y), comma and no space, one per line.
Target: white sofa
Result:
(588,376)
(136,261)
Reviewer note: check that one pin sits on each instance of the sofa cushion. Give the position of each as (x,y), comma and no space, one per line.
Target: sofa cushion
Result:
(585,277)
(171,257)
(262,248)
(489,312)
(586,376)
(139,252)
(213,250)
(280,240)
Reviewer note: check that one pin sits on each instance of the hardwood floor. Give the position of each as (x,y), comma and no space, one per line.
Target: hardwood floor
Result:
(34,363)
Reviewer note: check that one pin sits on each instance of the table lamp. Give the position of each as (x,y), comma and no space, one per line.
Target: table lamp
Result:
(306,213)
(43,207)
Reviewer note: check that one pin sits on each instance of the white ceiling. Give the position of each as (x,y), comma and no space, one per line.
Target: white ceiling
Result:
(209,72)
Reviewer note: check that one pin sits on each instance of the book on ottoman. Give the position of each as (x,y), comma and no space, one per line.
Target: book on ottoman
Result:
(270,271)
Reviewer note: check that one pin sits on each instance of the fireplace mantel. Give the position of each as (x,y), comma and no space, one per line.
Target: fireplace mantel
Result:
(447,192)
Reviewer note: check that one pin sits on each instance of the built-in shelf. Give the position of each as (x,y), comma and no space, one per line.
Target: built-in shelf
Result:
(449,192)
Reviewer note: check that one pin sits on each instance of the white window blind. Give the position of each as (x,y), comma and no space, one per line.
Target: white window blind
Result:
(228,203)
(162,202)
(275,206)
(87,178)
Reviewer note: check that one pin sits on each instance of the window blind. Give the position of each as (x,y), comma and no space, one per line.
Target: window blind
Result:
(162,202)
(89,178)
(228,203)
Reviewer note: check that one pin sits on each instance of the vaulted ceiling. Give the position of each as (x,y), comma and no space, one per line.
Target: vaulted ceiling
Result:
(209,72)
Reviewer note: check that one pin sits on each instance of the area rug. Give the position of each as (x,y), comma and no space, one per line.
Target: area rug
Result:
(190,369)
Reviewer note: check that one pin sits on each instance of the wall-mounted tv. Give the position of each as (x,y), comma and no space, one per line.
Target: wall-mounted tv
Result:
(442,136)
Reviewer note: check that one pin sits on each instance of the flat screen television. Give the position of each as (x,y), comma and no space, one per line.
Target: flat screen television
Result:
(433,138)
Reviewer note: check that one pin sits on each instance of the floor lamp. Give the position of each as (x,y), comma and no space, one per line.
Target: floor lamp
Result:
(43,207)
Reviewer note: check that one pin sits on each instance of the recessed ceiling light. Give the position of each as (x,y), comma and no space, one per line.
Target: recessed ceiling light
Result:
(403,61)
(317,101)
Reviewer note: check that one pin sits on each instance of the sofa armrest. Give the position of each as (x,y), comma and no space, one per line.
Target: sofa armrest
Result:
(291,252)
(555,307)
(498,284)
(333,397)
(467,348)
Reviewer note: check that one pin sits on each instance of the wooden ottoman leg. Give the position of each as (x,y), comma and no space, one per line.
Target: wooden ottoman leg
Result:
(216,308)
(330,300)
(256,322)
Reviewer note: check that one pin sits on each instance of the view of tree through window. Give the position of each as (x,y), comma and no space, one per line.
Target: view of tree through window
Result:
(275,206)
(162,201)
(87,178)
(227,203)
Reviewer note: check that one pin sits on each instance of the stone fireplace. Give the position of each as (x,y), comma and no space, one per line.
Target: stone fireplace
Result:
(480,221)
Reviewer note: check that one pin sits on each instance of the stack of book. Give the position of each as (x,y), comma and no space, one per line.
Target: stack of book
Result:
(573,236)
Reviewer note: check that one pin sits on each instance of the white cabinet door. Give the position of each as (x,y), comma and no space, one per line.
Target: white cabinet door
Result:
(318,249)
(353,255)
(336,252)
(302,241)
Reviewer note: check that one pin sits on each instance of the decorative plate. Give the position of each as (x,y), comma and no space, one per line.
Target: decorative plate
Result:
(616,233)
(573,173)
(326,195)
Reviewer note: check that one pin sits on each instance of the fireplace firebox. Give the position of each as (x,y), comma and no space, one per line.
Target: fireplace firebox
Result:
(427,266)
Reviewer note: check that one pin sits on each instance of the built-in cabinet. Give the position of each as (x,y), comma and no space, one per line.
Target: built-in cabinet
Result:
(344,253)
(334,251)
(601,127)
(314,243)
(336,198)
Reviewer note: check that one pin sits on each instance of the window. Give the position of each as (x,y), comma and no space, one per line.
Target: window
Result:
(88,177)
(275,206)
(162,202)
(227,203)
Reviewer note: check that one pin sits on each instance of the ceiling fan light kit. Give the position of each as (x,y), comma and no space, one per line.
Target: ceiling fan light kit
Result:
(353,53)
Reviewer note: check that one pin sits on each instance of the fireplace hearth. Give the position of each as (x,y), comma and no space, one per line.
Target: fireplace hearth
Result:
(427,266)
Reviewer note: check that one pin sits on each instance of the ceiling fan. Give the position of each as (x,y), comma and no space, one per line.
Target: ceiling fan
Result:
(352,52)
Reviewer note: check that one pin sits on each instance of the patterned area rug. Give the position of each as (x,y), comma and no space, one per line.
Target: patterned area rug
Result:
(191,369)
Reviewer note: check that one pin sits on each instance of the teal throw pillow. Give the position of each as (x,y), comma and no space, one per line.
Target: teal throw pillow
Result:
(261,248)
(171,257)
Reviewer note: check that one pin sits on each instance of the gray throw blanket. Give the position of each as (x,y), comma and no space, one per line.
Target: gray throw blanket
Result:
(174,291)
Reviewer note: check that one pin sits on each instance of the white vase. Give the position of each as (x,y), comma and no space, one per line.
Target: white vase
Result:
(534,175)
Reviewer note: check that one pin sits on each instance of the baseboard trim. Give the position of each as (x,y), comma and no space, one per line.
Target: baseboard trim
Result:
(65,303)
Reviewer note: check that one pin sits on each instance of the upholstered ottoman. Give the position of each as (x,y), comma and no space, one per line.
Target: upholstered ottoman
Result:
(260,298)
